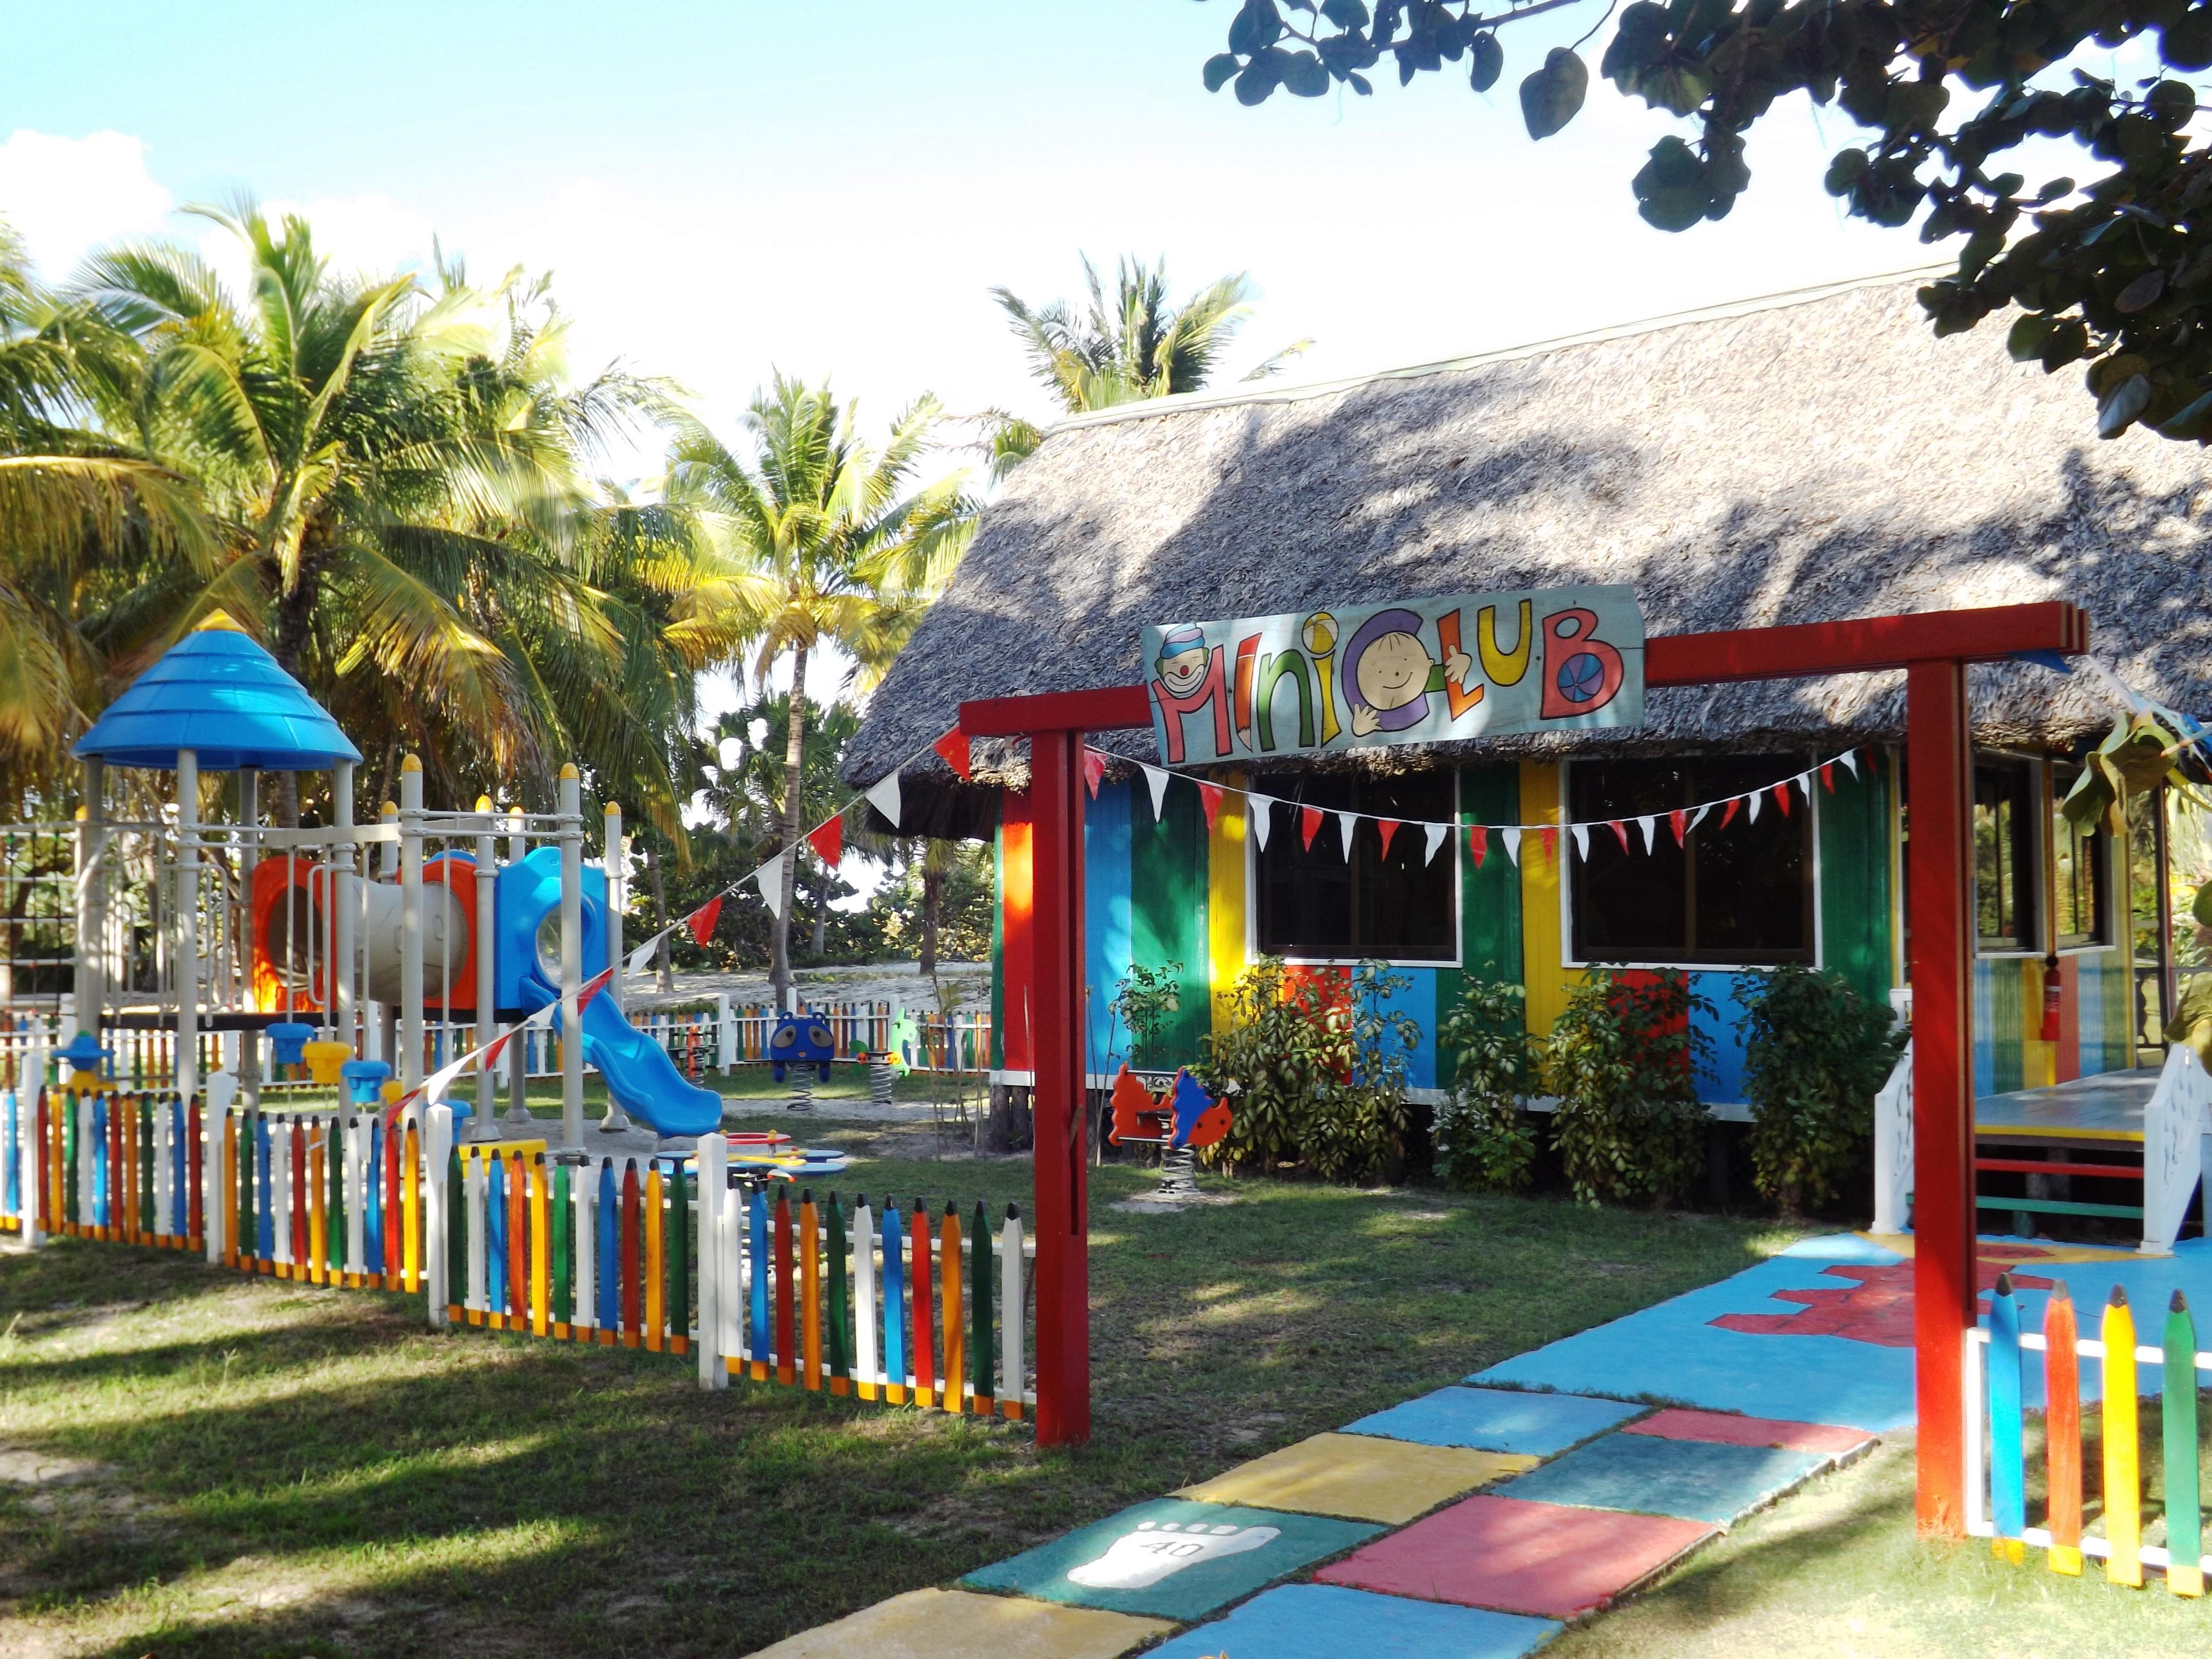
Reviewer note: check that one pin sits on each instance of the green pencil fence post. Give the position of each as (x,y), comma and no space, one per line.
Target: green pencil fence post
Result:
(979,1320)
(840,1307)
(564,1254)
(2185,1525)
(334,1224)
(69,1158)
(249,1154)
(676,1243)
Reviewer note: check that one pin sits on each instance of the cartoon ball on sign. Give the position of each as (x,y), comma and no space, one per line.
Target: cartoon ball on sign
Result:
(801,1040)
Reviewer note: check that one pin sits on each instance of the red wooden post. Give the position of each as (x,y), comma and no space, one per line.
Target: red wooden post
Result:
(1062,1160)
(1940,792)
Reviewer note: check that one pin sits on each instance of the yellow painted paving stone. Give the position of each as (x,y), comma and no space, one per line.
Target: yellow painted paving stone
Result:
(1359,1476)
(935,1623)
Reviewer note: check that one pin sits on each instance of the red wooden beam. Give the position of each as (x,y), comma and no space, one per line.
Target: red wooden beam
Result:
(1863,643)
(1109,709)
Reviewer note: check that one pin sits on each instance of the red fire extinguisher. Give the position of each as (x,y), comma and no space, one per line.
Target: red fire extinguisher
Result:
(2051,998)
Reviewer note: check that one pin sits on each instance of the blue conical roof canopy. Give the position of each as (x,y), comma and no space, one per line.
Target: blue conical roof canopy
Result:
(219,694)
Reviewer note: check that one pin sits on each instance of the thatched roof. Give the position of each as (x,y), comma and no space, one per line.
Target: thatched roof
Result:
(1815,456)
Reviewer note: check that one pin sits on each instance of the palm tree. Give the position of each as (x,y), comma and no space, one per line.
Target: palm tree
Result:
(398,473)
(1135,345)
(820,539)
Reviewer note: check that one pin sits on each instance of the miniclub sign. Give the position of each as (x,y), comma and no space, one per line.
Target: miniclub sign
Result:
(1412,671)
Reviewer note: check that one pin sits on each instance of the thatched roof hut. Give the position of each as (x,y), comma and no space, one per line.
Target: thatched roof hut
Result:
(1815,455)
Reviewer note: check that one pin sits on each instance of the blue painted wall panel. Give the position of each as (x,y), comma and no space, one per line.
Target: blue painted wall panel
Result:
(1418,999)
(1983,998)
(1106,937)
(1720,1076)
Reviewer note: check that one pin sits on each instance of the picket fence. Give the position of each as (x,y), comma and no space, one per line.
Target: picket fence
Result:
(1997,1472)
(623,1249)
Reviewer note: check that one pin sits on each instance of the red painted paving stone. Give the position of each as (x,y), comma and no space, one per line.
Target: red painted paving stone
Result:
(1512,1555)
(1725,1429)
(1878,1305)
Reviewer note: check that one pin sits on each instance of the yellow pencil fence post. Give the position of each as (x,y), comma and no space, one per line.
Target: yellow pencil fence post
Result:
(2123,1482)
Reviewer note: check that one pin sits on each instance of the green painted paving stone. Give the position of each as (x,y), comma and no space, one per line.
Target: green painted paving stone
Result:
(1694,1480)
(1326,1621)
(1498,1419)
(1172,1558)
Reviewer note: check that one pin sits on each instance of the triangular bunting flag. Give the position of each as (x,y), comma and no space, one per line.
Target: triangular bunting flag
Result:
(1478,839)
(1648,826)
(592,987)
(701,920)
(1157,781)
(1727,812)
(1308,824)
(1851,759)
(1346,824)
(1436,834)
(1547,836)
(953,748)
(1678,820)
(1386,828)
(1828,776)
(1581,833)
(1620,832)
(1512,836)
(1698,817)
(1261,810)
(770,876)
(1094,769)
(885,798)
(827,840)
(1782,797)
(488,1058)
(643,954)
(1209,797)
(1755,797)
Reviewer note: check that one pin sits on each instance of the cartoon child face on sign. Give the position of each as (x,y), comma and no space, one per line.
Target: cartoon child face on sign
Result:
(1392,673)
(1181,660)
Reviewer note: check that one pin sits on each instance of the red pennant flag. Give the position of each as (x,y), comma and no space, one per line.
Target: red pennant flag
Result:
(491,1055)
(592,987)
(1549,836)
(1386,828)
(1828,776)
(953,746)
(1478,838)
(1680,820)
(1209,795)
(1309,824)
(1620,832)
(1094,769)
(701,920)
(1730,812)
(827,840)
(1782,798)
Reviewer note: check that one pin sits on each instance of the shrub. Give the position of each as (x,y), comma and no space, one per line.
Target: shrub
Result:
(1482,1138)
(1285,1044)
(1622,1057)
(1815,1056)
(1145,1002)
(1357,1128)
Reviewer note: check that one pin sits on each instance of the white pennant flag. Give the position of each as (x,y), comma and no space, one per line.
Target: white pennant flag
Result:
(770,878)
(1435,833)
(1346,822)
(434,1086)
(643,954)
(1582,840)
(1157,780)
(1262,810)
(1804,782)
(1757,795)
(885,798)
(1512,846)
(1696,819)
(1648,826)
(1851,760)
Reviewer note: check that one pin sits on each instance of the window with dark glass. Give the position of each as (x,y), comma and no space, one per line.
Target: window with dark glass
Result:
(2005,876)
(1315,905)
(1734,893)
(2084,865)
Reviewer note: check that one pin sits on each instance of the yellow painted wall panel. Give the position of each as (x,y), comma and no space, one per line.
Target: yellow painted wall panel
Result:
(1541,947)
(1225,901)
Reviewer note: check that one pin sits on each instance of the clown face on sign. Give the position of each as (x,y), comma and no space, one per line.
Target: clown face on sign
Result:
(1181,661)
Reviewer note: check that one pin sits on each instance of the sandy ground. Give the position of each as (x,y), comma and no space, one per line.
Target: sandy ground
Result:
(961,984)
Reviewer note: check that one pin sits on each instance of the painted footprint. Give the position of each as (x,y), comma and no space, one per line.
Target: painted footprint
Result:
(1141,1558)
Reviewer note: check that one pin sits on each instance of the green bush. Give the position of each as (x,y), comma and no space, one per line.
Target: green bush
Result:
(1481,1137)
(1622,1057)
(1815,1056)
(1357,1130)
(1146,1002)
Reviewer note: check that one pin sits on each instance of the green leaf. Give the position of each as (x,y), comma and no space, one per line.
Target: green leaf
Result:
(1218,69)
(1302,74)
(1845,171)
(1344,14)
(2187,44)
(1551,97)
(1489,62)
(2025,341)
(2141,293)
(2119,409)
(1257,26)
(1671,192)
(1259,79)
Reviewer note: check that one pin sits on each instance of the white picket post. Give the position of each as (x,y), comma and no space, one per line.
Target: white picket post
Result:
(1010,1379)
(866,1375)
(714,1202)
(437,1147)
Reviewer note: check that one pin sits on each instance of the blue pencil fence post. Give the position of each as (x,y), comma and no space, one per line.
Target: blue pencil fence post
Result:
(100,1219)
(2008,1461)
(371,1202)
(756,1346)
(893,1238)
(264,1237)
(496,1242)
(11,1161)
(607,1222)
(183,1171)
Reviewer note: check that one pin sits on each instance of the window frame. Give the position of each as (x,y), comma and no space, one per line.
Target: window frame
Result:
(2101,840)
(2040,856)
(1455,850)
(1569,958)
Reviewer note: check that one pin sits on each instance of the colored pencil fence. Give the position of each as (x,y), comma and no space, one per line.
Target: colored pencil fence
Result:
(897,1303)
(1997,1472)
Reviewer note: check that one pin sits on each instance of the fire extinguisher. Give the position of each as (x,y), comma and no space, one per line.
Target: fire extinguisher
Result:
(2051,987)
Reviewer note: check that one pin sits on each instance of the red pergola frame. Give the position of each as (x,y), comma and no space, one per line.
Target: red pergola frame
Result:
(1933,648)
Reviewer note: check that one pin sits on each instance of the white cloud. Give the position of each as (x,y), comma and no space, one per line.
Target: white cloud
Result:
(66,196)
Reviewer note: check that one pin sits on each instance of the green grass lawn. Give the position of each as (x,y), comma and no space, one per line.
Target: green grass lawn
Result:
(240,1465)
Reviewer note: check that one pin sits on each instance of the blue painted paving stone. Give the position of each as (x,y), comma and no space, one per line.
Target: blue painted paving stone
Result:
(1694,1480)
(1326,1621)
(1171,1559)
(1498,1419)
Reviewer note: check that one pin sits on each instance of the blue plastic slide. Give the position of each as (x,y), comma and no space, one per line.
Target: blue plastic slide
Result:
(639,1074)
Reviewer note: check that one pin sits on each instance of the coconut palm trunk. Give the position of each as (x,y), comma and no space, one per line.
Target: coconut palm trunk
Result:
(794,756)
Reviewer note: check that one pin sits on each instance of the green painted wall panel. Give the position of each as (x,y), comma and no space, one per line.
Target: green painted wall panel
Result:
(1489,898)
(1167,907)
(1854,895)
